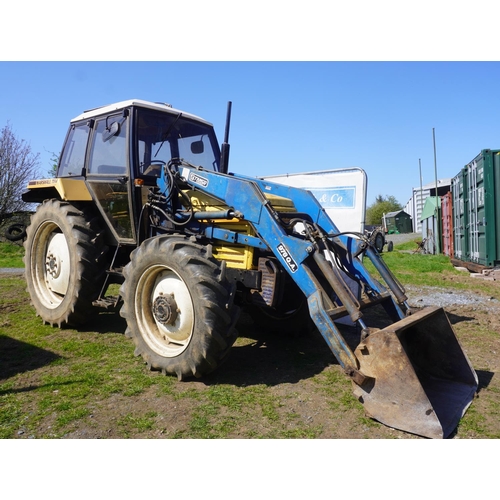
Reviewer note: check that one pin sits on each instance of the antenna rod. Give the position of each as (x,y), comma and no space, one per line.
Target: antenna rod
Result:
(421,204)
(437,246)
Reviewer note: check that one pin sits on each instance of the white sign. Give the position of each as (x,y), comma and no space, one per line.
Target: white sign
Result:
(342,193)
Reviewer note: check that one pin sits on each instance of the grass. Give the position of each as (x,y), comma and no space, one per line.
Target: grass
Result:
(61,383)
(11,255)
(54,382)
(430,270)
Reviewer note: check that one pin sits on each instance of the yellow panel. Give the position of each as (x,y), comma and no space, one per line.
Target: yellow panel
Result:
(68,189)
(280,204)
(236,256)
(202,201)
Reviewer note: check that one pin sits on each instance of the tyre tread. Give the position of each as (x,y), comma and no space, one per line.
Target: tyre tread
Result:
(215,330)
(89,271)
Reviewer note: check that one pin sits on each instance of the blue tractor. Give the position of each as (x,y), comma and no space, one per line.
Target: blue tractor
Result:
(143,198)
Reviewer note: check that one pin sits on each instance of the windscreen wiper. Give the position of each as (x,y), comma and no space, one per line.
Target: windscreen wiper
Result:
(165,135)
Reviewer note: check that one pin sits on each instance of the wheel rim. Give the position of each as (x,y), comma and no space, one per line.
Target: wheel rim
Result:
(164,311)
(50,263)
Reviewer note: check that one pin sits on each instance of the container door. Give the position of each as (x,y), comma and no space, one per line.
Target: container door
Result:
(493,204)
(447,224)
(489,216)
(458,192)
(475,181)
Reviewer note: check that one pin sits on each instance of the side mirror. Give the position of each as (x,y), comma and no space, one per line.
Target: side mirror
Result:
(111,131)
(197,147)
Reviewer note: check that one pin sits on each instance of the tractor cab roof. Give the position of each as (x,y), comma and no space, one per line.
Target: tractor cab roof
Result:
(166,108)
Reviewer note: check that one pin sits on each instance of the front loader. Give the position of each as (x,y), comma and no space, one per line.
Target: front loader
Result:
(143,199)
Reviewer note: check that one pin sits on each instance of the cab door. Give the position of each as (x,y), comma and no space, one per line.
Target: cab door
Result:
(108,174)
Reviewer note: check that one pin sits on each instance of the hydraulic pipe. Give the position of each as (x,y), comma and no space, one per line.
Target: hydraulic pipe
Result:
(339,286)
(387,276)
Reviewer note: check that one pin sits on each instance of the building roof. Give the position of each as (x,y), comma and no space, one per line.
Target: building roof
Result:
(429,209)
(394,214)
(432,185)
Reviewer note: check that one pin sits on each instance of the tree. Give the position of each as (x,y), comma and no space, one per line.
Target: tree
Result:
(381,206)
(18,164)
(54,161)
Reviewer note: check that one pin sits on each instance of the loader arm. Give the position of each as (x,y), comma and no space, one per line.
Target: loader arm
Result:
(301,257)
(413,374)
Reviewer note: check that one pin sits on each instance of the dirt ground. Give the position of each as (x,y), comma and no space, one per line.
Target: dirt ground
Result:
(294,373)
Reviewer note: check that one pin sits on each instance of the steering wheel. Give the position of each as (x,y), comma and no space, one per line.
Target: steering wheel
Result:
(154,168)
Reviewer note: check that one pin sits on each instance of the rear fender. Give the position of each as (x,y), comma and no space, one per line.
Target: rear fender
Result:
(62,188)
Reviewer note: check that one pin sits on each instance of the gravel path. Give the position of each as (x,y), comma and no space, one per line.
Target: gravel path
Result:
(11,271)
(403,238)
(420,296)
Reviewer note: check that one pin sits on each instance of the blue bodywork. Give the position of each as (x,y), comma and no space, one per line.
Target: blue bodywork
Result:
(247,201)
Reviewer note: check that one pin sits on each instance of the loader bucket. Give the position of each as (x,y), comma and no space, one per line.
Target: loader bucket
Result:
(419,380)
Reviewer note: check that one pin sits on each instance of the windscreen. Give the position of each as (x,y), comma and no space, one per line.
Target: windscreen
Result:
(163,136)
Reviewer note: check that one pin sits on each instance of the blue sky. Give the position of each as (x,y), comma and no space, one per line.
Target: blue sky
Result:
(287,117)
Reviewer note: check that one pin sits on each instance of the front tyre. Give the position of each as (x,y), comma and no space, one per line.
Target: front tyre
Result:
(63,253)
(178,306)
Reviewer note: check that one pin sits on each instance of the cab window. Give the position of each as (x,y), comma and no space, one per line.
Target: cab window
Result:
(73,155)
(109,149)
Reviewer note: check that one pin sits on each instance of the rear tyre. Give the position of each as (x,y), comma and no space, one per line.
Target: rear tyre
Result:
(295,322)
(63,253)
(290,317)
(178,306)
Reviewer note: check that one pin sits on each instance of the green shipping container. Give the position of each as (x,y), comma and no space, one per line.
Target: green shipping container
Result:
(460,221)
(482,208)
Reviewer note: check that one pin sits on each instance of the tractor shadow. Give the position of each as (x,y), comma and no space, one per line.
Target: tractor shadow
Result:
(105,323)
(265,358)
(19,357)
(261,357)
(257,357)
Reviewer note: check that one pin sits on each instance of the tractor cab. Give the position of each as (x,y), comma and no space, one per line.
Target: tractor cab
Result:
(121,151)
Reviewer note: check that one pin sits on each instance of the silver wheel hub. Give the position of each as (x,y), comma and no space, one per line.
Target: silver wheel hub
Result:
(165,309)
(53,265)
(57,265)
(50,264)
